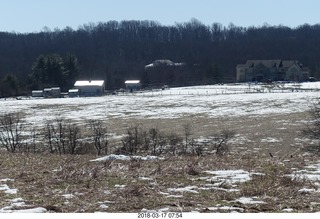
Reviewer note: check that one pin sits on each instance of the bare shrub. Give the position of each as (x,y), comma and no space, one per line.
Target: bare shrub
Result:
(100,136)
(197,147)
(312,130)
(34,137)
(174,142)
(73,138)
(55,134)
(62,136)
(219,141)
(158,141)
(11,128)
(49,136)
(154,139)
(132,142)
(187,132)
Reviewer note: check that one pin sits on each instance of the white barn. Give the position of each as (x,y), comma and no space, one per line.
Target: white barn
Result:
(132,85)
(90,88)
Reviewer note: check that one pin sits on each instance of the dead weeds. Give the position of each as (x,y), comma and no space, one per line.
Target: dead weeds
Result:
(75,184)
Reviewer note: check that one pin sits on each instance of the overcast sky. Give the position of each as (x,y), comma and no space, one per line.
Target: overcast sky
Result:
(32,15)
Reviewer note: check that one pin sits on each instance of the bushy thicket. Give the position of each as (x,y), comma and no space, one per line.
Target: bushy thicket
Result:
(62,136)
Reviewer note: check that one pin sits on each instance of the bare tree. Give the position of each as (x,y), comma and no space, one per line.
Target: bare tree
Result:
(154,139)
(187,131)
(100,136)
(11,128)
(74,134)
(55,133)
(60,133)
(49,135)
(220,141)
(174,142)
(132,141)
(196,147)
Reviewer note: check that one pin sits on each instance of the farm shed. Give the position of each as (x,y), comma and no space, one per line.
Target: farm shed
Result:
(73,93)
(37,93)
(54,92)
(90,88)
(132,85)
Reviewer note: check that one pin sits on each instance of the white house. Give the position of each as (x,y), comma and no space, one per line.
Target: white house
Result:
(132,85)
(90,88)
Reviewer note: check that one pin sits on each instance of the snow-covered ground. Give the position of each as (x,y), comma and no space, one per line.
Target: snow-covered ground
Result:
(212,101)
(17,203)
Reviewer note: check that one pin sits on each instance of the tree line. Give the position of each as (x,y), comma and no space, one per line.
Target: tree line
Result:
(115,51)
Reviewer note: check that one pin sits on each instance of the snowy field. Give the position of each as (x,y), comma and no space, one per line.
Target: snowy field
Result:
(264,117)
(266,120)
(204,101)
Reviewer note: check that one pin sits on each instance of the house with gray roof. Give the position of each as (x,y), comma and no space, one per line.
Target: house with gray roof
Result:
(271,70)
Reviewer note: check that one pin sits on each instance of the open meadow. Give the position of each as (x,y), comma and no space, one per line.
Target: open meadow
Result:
(264,169)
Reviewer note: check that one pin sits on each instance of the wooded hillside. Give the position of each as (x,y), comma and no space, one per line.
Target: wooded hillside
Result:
(116,51)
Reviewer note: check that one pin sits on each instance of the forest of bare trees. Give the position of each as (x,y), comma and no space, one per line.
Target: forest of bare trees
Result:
(116,51)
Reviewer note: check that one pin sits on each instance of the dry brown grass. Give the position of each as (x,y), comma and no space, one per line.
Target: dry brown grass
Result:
(42,180)
(130,186)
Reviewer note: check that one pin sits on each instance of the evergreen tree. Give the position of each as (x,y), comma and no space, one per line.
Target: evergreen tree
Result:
(53,70)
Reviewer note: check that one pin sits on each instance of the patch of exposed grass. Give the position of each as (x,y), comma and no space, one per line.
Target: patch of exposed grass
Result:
(130,186)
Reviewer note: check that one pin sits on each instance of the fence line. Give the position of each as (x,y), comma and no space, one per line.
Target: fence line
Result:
(208,92)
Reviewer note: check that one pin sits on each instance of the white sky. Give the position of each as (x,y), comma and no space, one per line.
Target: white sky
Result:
(32,15)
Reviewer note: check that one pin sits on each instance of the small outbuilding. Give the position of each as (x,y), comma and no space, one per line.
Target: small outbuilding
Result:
(73,93)
(90,88)
(37,93)
(132,85)
(53,92)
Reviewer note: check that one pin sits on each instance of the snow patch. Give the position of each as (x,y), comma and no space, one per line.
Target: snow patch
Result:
(124,157)
(271,140)
(311,172)
(68,196)
(226,208)
(287,210)
(190,189)
(103,206)
(229,176)
(19,202)
(6,180)
(145,178)
(306,190)
(7,189)
(248,200)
